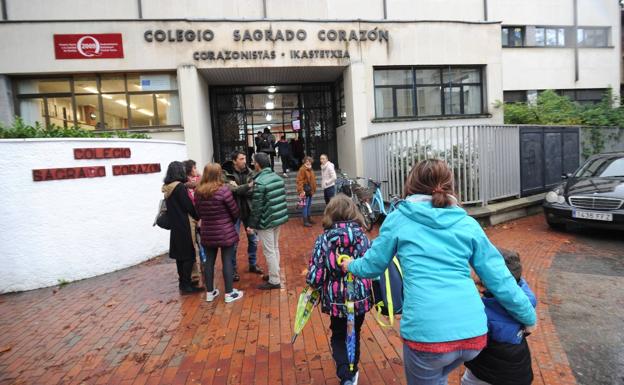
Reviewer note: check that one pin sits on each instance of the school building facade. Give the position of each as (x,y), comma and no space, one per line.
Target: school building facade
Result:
(214,73)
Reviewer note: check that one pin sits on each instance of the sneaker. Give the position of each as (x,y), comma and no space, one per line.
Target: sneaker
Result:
(347,382)
(356,377)
(269,286)
(285,175)
(255,269)
(233,296)
(210,296)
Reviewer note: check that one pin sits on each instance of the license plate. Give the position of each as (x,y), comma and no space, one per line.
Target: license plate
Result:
(593,215)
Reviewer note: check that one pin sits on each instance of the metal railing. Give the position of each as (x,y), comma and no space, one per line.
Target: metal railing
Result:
(485,159)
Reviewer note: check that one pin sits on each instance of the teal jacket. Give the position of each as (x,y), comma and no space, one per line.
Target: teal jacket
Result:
(436,247)
(268,202)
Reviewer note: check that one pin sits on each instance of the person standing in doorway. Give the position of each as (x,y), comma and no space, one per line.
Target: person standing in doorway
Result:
(268,213)
(218,212)
(181,212)
(266,144)
(238,176)
(328,178)
(283,151)
(306,187)
(298,149)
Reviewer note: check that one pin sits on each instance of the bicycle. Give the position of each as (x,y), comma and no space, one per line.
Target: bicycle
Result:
(377,205)
(352,189)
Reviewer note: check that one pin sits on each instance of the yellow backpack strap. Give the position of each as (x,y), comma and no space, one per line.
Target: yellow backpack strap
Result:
(389,297)
(398,265)
(379,318)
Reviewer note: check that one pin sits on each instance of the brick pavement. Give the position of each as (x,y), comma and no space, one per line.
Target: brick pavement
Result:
(132,326)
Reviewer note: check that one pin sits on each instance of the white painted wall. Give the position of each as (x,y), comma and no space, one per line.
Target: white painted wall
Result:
(77,228)
(71,9)
(532,12)
(195,107)
(325,9)
(201,9)
(466,10)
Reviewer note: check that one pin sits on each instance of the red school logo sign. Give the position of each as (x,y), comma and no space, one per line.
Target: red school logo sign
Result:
(93,46)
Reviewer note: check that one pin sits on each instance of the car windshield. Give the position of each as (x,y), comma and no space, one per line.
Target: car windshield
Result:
(603,167)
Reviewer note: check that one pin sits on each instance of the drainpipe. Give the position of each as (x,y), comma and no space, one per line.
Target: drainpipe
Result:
(140,7)
(264,9)
(575,40)
(5,16)
(385,9)
(485,9)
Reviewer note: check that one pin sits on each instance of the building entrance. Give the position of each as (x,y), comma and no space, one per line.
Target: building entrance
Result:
(298,112)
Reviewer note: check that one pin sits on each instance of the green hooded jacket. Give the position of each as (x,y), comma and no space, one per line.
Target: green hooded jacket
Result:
(268,204)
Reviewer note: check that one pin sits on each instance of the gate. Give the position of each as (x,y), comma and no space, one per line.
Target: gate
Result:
(546,153)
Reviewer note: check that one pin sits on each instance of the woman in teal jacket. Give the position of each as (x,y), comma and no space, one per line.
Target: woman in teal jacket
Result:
(443,322)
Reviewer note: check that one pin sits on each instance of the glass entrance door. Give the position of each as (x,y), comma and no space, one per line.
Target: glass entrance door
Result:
(306,111)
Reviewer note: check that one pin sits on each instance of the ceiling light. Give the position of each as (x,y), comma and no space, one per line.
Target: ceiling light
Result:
(107,96)
(271,96)
(269,105)
(91,89)
(122,102)
(164,101)
(145,112)
(269,117)
(271,89)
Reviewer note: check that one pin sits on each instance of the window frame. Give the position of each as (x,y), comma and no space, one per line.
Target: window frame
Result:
(509,29)
(441,85)
(584,29)
(546,28)
(18,97)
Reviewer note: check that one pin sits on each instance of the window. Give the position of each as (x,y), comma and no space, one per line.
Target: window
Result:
(584,96)
(514,96)
(549,37)
(512,36)
(428,91)
(98,102)
(592,37)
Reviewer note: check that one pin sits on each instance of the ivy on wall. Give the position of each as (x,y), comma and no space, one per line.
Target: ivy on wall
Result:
(604,120)
(19,129)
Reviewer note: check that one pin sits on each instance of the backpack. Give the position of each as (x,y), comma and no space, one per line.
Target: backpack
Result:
(162,219)
(388,292)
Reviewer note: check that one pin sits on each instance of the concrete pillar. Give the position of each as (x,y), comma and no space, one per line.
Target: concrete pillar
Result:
(7,107)
(195,106)
(350,134)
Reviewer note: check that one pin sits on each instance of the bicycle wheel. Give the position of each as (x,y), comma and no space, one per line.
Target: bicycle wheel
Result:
(366,212)
(375,210)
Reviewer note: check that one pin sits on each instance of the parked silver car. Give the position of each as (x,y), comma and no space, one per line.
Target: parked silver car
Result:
(591,196)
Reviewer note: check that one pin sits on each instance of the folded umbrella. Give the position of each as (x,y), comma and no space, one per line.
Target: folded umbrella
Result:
(308,299)
(349,302)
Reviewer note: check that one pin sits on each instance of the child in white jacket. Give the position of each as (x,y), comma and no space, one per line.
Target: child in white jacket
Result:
(328,178)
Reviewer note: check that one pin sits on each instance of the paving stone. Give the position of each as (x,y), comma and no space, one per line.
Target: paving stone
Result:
(133,326)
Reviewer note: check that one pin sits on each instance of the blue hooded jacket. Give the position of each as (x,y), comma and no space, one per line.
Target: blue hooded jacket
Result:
(502,327)
(436,247)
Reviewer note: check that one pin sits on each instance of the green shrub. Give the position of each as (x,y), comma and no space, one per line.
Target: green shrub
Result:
(19,129)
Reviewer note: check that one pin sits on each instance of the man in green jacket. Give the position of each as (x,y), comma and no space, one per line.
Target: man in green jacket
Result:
(268,213)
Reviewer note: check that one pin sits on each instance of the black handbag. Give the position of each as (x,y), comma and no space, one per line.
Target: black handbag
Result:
(162,219)
(307,189)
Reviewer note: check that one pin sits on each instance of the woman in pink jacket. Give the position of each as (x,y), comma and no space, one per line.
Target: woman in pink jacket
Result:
(218,212)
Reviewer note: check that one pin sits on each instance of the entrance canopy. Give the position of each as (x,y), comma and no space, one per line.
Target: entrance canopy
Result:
(271,75)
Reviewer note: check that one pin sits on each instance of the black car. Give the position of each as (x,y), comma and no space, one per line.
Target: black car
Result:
(591,196)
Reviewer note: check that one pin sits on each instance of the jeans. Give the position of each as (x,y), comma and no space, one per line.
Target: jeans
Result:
(338,327)
(307,209)
(270,248)
(423,368)
(226,260)
(287,162)
(471,379)
(252,245)
(329,193)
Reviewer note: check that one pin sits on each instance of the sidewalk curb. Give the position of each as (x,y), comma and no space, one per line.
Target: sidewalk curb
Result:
(497,213)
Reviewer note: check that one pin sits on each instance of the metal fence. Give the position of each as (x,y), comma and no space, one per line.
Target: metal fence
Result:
(485,159)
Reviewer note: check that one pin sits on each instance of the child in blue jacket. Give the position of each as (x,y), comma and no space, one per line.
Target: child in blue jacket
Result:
(506,360)
(343,236)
